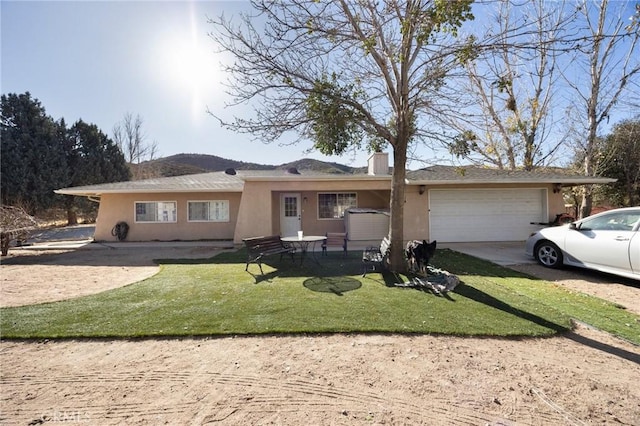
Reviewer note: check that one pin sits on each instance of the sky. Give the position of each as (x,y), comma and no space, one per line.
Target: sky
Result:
(98,61)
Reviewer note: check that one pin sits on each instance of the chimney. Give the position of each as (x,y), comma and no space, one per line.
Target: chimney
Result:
(378,164)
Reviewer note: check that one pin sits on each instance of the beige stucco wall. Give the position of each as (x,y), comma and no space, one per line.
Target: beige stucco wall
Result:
(254,216)
(256,211)
(312,224)
(416,217)
(121,207)
(556,203)
(260,206)
(372,194)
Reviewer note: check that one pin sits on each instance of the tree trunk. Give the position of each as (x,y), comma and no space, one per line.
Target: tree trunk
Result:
(587,201)
(529,150)
(70,206)
(4,244)
(72,217)
(589,162)
(595,73)
(396,225)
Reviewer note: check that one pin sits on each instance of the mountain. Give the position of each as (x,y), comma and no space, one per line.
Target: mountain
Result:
(212,163)
(322,166)
(182,164)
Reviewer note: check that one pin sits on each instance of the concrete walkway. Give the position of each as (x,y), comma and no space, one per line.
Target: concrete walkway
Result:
(501,253)
(81,237)
(91,245)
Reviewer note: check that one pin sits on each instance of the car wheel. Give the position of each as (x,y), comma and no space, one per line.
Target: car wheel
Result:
(548,254)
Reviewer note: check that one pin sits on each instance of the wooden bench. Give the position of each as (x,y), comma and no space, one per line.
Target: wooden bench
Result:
(259,247)
(373,257)
(337,239)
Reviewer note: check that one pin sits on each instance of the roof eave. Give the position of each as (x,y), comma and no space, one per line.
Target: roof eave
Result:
(87,193)
(302,178)
(563,181)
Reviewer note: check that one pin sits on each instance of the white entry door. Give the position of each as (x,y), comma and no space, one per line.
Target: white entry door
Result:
(290,215)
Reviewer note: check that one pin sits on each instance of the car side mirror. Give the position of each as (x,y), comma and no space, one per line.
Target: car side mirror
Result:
(573,226)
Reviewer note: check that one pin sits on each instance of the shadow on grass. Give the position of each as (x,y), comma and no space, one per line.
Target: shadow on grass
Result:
(323,274)
(486,299)
(239,256)
(424,289)
(335,285)
(268,277)
(387,278)
(394,280)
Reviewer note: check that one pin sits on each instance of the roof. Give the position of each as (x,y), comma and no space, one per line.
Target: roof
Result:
(211,182)
(223,182)
(306,175)
(215,181)
(478,175)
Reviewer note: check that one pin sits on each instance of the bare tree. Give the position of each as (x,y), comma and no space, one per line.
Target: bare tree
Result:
(131,139)
(15,224)
(607,58)
(343,72)
(511,84)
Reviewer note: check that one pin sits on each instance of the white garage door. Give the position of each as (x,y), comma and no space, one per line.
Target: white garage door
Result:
(485,214)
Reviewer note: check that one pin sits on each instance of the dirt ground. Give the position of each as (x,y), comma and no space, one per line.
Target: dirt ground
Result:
(583,377)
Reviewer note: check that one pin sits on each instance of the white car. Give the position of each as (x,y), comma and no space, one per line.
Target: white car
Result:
(607,242)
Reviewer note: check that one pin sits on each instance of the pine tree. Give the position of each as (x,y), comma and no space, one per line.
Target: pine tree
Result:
(40,155)
(32,158)
(92,158)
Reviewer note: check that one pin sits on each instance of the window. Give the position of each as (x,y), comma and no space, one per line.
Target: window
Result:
(290,206)
(333,206)
(209,211)
(616,221)
(155,211)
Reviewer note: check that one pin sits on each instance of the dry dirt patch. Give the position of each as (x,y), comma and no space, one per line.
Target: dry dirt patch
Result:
(581,378)
(33,276)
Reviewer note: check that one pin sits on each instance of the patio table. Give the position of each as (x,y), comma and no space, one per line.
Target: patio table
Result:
(303,244)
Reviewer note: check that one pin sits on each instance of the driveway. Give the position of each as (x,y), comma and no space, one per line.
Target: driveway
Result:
(66,233)
(504,253)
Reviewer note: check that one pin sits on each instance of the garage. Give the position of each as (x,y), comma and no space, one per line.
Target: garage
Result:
(467,215)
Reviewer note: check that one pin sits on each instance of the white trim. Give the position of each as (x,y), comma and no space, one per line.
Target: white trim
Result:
(567,181)
(298,178)
(85,193)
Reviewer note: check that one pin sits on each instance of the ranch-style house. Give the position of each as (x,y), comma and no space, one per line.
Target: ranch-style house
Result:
(443,203)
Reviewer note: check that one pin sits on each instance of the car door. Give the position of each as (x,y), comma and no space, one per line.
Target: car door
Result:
(603,242)
(634,252)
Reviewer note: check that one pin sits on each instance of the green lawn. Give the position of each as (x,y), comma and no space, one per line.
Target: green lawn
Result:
(217,297)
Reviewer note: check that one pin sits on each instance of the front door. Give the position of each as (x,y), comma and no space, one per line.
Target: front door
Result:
(290,215)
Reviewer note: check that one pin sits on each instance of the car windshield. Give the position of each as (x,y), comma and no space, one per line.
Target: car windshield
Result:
(618,221)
